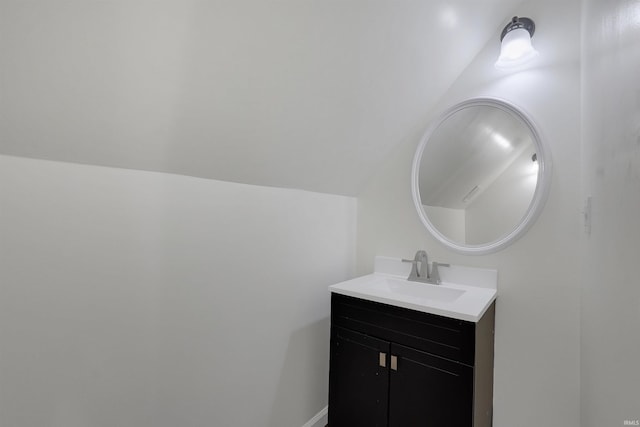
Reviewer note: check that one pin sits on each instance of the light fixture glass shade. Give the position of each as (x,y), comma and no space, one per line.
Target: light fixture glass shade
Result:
(516,49)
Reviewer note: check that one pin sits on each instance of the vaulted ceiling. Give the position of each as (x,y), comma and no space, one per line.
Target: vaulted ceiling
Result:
(309,94)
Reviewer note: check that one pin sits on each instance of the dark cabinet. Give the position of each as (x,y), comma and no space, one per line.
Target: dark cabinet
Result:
(359,378)
(396,367)
(427,390)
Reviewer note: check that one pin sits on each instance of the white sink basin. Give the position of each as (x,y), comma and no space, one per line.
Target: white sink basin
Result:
(459,297)
(422,291)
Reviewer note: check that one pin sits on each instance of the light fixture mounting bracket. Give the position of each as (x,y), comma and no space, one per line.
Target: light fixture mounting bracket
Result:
(519,22)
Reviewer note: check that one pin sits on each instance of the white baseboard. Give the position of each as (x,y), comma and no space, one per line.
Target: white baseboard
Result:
(320,419)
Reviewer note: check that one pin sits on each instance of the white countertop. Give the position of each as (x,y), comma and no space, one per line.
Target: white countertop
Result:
(455,297)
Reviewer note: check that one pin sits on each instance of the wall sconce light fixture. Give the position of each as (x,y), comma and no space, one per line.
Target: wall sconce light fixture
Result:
(516,46)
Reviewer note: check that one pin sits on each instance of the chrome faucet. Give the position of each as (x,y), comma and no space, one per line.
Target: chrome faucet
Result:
(422,274)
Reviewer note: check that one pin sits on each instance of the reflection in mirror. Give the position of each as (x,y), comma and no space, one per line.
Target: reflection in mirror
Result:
(476,174)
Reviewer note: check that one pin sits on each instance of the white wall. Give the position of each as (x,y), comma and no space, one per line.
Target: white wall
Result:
(537,320)
(611,172)
(267,92)
(135,299)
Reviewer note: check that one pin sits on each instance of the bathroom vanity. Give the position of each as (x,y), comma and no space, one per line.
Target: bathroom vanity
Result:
(407,354)
(394,362)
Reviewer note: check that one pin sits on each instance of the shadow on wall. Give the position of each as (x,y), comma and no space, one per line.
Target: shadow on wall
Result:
(298,396)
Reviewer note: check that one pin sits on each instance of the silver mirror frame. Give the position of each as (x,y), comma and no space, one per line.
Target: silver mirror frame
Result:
(540,194)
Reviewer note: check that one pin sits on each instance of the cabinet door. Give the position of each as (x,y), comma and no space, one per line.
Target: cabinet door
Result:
(358,380)
(429,391)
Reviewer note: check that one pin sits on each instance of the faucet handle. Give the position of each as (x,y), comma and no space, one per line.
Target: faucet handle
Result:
(414,269)
(434,277)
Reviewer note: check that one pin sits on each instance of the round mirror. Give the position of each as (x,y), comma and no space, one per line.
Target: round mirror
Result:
(480,176)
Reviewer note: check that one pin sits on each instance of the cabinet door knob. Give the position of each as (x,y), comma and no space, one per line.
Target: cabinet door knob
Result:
(383,360)
(394,363)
